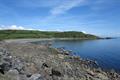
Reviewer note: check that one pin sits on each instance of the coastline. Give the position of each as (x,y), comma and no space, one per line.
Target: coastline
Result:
(54,60)
(44,39)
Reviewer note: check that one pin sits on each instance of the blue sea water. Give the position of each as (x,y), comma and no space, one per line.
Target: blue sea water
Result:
(105,52)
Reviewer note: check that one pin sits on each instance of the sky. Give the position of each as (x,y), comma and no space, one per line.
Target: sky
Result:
(99,17)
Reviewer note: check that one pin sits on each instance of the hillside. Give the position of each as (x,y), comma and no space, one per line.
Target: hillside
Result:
(16,34)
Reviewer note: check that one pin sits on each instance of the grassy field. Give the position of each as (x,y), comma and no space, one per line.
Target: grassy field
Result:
(18,34)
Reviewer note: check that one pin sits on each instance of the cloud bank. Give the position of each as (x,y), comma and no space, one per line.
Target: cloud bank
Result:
(14,27)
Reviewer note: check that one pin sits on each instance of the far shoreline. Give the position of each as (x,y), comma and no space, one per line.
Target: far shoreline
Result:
(24,40)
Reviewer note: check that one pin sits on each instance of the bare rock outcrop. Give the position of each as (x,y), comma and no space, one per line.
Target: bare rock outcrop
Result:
(27,61)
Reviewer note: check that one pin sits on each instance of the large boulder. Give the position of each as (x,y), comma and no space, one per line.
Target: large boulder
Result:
(36,77)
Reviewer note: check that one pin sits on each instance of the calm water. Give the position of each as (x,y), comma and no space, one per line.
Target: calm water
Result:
(105,52)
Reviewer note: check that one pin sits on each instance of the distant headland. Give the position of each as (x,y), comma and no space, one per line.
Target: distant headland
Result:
(20,34)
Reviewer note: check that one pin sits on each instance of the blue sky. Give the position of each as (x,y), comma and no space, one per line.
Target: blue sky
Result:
(99,17)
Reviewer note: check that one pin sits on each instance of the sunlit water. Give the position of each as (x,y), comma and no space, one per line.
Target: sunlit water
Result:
(105,52)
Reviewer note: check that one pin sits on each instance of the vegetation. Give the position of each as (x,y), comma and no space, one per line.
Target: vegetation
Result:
(16,34)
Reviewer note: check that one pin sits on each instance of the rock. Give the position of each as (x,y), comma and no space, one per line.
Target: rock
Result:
(91,73)
(63,51)
(102,76)
(5,60)
(17,64)
(30,68)
(36,77)
(1,53)
(44,65)
(28,75)
(35,62)
(56,73)
(23,77)
(61,56)
(14,74)
(2,71)
(4,67)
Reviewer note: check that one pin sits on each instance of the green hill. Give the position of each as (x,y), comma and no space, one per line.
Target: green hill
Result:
(17,34)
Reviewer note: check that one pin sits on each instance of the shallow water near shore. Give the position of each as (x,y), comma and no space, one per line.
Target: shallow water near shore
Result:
(105,52)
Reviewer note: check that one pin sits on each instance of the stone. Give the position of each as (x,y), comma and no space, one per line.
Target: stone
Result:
(30,68)
(17,64)
(32,62)
(56,72)
(14,74)
(4,67)
(23,77)
(61,56)
(101,76)
(36,77)
(45,65)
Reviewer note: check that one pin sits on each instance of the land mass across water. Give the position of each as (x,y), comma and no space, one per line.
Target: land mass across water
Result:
(20,34)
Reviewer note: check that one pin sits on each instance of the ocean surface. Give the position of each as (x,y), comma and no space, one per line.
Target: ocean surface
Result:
(106,52)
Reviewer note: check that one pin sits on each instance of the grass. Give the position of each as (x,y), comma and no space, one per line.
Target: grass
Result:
(18,34)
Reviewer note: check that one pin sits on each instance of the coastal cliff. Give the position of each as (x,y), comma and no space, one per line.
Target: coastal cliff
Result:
(28,61)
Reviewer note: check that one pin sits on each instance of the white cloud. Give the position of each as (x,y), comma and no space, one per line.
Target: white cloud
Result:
(14,27)
(65,6)
(84,32)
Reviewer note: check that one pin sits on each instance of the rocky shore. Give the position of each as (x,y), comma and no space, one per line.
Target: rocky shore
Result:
(28,61)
